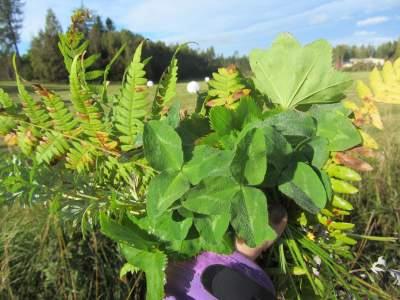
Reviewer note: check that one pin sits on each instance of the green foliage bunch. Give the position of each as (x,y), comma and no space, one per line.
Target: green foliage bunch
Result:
(169,186)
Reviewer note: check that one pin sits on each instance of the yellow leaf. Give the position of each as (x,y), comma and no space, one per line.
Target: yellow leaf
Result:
(350,105)
(388,73)
(10,139)
(311,236)
(396,67)
(363,90)
(368,141)
(373,113)
(376,83)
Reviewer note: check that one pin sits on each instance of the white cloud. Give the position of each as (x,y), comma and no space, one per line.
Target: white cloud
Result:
(318,19)
(364,33)
(370,38)
(372,21)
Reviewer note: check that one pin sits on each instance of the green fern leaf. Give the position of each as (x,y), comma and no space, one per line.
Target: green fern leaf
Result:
(26,140)
(32,109)
(81,156)
(166,89)
(5,100)
(132,106)
(52,145)
(62,118)
(226,87)
(86,109)
(153,264)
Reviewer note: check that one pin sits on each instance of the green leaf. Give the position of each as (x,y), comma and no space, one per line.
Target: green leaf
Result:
(278,148)
(164,189)
(294,125)
(302,184)
(212,196)
(327,183)
(316,151)
(127,268)
(162,146)
(132,104)
(292,75)
(5,100)
(224,87)
(250,162)
(213,233)
(54,145)
(126,233)
(212,228)
(33,109)
(338,130)
(191,130)
(279,153)
(7,124)
(174,116)
(85,108)
(166,89)
(95,74)
(153,264)
(221,119)
(250,216)
(165,226)
(247,112)
(207,162)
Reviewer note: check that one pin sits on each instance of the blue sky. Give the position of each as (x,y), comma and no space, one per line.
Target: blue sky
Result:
(234,25)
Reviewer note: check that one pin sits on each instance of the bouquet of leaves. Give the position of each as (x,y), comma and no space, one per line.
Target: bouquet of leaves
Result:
(168,185)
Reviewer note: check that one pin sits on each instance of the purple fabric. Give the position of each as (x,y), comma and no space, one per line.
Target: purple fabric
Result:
(184,278)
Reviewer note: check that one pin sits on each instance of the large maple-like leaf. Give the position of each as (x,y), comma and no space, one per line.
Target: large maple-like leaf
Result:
(292,75)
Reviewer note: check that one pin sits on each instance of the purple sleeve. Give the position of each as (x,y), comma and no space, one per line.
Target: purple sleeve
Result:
(184,278)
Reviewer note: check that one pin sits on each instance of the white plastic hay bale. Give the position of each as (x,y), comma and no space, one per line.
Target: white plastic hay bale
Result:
(193,87)
(150,84)
(207,79)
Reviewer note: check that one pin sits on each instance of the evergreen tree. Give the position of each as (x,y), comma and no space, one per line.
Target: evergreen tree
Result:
(11,17)
(110,24)
(46,59)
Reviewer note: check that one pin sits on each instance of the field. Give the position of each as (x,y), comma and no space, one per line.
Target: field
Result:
(88,269)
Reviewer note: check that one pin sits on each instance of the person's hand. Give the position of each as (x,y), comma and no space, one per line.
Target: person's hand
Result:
(278,220)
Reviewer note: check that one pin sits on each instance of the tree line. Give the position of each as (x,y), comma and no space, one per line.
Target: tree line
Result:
(388,51)
(43,60)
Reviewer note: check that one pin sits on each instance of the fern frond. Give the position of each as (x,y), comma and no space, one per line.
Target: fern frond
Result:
(53,145)
(118,171)
(226,87)
(85,108)
(81,156)
(166,89)
(132,105)
(26,139)
(72,43)
(7,122)
(33,110)
(62,118)
(5,100)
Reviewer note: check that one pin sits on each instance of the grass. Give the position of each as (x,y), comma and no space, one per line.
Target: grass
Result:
(92,271)
(188,101)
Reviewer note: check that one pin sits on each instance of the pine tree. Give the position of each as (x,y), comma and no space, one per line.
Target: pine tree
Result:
(11,17)
(110,24)
(46,59)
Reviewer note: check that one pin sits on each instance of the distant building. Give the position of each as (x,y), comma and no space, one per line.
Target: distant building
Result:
(368,60)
